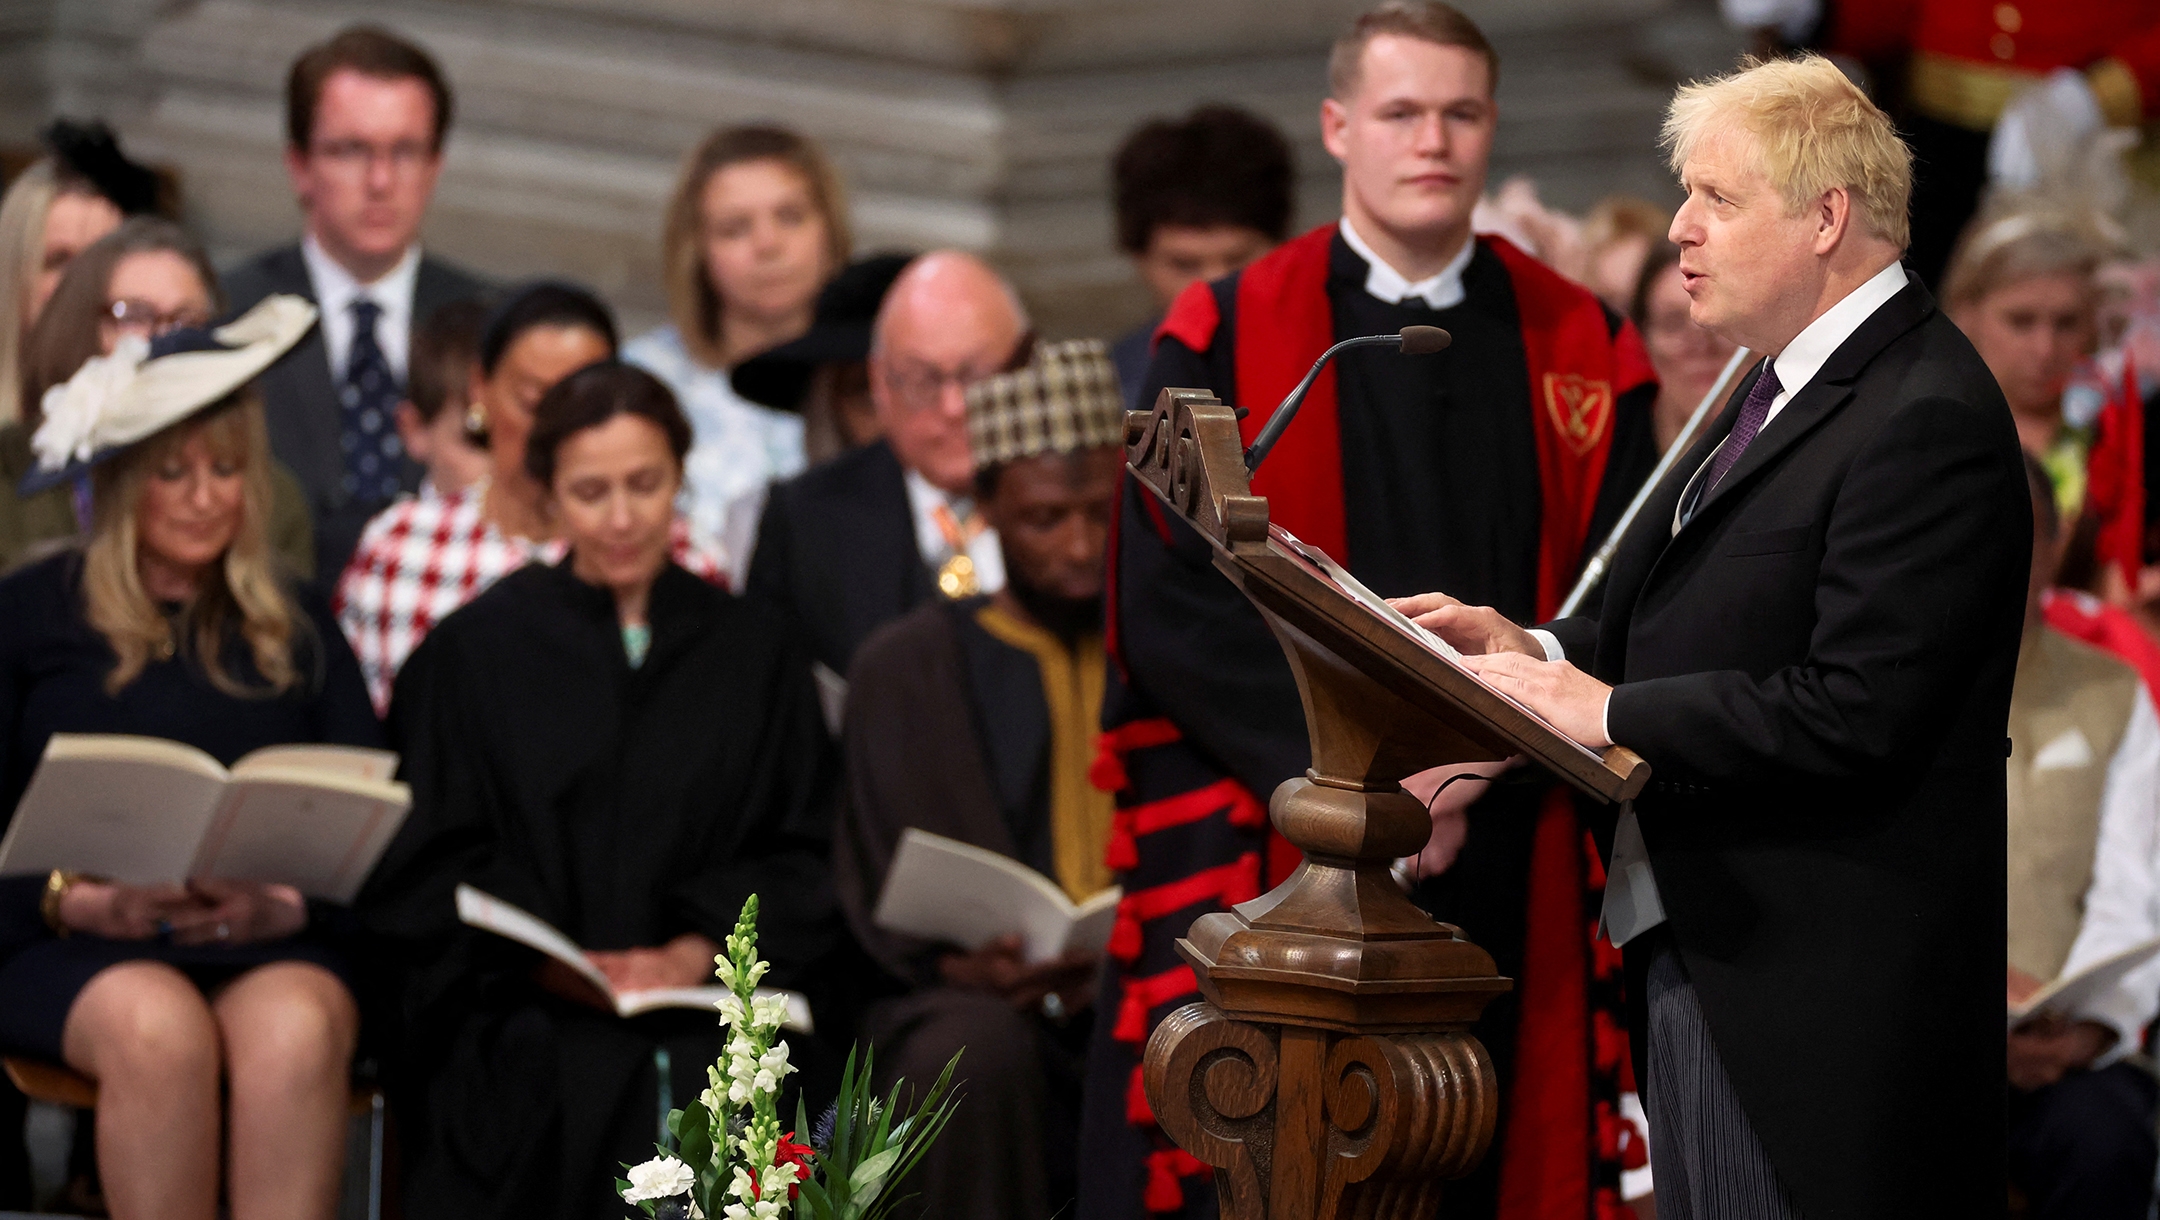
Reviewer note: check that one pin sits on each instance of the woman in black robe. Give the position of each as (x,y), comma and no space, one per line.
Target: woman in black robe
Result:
(626,752)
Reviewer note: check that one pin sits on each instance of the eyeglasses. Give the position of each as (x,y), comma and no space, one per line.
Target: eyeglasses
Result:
(145,319)
(919,387)
(356,157)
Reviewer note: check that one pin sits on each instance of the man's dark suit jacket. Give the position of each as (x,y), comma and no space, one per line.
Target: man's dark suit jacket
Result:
(836,552)
(1817,668)
(300,396)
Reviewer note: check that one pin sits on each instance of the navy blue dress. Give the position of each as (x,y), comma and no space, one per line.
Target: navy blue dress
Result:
(52,680)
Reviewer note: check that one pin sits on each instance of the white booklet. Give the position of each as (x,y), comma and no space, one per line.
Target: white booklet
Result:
(944,890)
(489,913)
(2072,992)
(148,811)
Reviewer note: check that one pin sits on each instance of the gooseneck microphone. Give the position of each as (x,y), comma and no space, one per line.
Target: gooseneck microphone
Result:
(1413,340)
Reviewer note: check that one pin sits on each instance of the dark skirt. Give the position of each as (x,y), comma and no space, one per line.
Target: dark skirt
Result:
(38,986)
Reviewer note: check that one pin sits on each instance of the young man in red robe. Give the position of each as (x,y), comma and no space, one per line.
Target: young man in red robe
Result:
(1488,470)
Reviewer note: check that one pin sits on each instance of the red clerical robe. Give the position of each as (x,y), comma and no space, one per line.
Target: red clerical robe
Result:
(1488,472)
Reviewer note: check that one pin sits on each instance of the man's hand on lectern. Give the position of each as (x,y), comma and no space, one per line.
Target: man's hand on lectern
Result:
(1472,630)
(1573,701)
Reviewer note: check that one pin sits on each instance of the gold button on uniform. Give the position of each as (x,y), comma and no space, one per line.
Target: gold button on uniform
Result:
(2003,47)
(2008,18)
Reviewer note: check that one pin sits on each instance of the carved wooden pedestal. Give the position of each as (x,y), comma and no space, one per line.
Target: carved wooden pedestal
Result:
(1331,1072)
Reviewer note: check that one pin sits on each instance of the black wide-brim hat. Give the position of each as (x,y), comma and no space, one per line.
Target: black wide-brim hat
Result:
(845,314)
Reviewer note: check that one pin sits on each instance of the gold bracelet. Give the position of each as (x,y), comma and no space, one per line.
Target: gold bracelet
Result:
(56,888)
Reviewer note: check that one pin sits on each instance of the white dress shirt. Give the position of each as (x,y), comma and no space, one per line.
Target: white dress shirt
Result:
(1442,291)
(335,292)
(1632,903)
(2122,902)
(924,498)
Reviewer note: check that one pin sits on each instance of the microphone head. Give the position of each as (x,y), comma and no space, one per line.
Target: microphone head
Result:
(1424,340)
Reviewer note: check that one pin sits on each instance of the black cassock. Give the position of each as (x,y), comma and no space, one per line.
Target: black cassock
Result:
(626,806)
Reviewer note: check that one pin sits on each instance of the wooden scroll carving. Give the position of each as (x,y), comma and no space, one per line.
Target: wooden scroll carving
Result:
(1330,1071)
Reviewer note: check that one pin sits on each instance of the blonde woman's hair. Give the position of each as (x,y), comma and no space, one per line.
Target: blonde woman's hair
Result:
(693,302)
(22,246)
(243,588)
(2009,248)
(1814,131)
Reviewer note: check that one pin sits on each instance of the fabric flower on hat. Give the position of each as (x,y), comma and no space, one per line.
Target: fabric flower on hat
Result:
(74,410)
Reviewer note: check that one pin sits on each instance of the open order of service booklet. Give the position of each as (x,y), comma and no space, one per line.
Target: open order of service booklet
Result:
(491,914)
(2073,992)
(941,889)
(148,811)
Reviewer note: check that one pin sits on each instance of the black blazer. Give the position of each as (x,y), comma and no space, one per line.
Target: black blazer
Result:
(836,552)
(300,396)
(1817,668)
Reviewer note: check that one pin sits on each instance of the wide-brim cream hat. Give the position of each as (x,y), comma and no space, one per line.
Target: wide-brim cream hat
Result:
(142,388)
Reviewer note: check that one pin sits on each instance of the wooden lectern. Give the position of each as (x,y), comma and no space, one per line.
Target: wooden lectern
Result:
(1331,1071)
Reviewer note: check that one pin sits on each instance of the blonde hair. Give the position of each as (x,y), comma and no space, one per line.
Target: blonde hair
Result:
(1998,251)
(22,248)
(1814,130)
(1426,20)
(245,586)
(693,302)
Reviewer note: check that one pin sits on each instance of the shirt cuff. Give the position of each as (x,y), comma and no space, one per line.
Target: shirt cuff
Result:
(1550,643)
(1604,718)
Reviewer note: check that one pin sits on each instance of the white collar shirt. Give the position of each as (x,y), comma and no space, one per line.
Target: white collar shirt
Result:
(1385,283)
(924,501)
(335,292)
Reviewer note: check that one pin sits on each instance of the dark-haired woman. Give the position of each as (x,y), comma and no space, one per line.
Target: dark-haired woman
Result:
(215,1017)
(423,557)
(627,752)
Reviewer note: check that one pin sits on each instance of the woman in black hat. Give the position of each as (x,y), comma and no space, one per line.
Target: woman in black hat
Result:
(218,1009)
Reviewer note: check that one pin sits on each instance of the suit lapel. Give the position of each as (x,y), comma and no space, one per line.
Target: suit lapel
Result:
(1823,394)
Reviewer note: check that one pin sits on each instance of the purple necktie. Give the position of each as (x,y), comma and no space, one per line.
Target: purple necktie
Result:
(1752,414)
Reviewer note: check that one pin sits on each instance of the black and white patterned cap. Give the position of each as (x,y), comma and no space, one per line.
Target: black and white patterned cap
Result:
(1064,399)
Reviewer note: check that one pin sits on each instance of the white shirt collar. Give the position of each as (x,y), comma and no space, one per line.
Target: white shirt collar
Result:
(335,291)
(1804,356)
(924,499)
(1442,291)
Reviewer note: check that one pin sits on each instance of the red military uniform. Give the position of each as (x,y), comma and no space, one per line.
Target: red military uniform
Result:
(1961,61)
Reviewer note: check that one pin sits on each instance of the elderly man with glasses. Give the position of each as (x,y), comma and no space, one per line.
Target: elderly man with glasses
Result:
(852,544)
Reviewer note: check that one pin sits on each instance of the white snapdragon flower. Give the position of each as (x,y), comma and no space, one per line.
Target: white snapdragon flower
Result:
(768,1012)
(732,1013)
(662,1177)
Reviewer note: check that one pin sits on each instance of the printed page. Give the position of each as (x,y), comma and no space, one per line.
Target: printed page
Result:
(132,813)
(288,827)
(483,910)
(354,762)
(941,889)
(2072,992)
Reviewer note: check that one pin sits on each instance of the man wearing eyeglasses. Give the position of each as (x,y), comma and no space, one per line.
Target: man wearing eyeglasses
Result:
(366,113)
(846,547)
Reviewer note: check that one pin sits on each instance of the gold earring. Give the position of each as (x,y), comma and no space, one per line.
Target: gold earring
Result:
(475,420)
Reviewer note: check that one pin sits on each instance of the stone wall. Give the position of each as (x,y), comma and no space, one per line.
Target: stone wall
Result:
(980,123)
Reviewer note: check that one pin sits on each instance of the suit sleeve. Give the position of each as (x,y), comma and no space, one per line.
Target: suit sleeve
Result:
(1929,535)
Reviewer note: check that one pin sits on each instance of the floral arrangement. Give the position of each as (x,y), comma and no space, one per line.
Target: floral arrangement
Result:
(730,1159)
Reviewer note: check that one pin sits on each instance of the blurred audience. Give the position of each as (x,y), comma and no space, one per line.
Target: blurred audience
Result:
(975,718)
(440,423)
(2021,288)
(2084,856)
(618,747)
(1196,198)
(54,209)
(1617,238)
(846,547)
(216,1018)
(425,556)
(758,223)
(1687,358)
(141,281)
(365,117)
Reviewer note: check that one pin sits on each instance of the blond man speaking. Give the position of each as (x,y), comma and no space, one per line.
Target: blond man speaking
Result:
(1810,633)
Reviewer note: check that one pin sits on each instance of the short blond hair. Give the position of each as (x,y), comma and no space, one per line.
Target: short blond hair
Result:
(1426,20)
(1815,131)
(1998,251)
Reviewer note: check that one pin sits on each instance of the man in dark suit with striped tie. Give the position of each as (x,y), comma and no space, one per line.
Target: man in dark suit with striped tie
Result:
(366,113)
(1810,633)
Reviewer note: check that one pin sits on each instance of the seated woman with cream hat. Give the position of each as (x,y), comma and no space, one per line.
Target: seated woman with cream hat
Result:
(173,619)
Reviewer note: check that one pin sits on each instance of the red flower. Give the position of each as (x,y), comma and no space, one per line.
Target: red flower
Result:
(788,1152)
